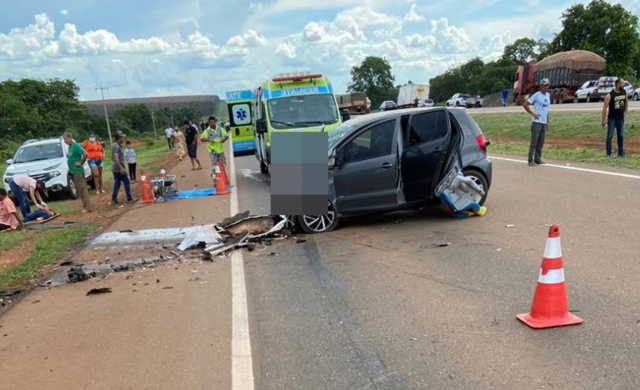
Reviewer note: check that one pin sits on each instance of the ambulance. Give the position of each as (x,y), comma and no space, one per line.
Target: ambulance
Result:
(292,102)
(240,109)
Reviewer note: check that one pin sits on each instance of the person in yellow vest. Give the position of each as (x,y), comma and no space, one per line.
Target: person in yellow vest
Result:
(215,136)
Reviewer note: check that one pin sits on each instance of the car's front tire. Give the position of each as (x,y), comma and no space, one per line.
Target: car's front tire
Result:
(481,181)
(313,224)
(72,190)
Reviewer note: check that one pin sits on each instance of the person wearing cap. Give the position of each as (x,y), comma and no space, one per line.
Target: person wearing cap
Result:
(119,171)
(540,101)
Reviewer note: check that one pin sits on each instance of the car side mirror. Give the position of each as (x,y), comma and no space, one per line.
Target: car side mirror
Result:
(261,126)
(346,115)
(10,161)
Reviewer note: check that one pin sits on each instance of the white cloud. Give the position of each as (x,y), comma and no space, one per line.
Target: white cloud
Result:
(32,41)
(64,12)
(286,49)
(188,27)
(493,48)
(449,39)
(249,39)
(418,40)
(412,15)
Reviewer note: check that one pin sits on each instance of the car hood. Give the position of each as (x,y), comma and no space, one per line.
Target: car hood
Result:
(35,166)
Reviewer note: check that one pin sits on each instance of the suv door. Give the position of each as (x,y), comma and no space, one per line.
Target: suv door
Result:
(427,139)
(366,179)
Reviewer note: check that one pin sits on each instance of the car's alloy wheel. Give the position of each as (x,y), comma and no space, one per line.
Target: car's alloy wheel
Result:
(576,100)
(71,188)
(479,179)
(312,224)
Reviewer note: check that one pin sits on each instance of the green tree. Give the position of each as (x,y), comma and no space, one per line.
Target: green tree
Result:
(374,77)
(135,117)
(522,50)
(603,28)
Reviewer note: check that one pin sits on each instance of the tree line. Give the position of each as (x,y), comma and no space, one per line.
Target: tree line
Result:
(608,30)
(47,108)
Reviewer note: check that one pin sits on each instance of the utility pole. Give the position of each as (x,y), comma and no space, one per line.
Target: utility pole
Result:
(153,119)
(106,114)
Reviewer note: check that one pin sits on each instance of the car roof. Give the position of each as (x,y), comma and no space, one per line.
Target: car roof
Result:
(43,141)
(378,116)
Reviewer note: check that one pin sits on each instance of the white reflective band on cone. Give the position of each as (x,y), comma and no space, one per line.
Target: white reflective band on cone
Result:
(553,276)
(553,250)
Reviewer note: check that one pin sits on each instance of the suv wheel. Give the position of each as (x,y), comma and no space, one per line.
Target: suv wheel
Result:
(71,188)
(480,180)
(313,224)
(636,97)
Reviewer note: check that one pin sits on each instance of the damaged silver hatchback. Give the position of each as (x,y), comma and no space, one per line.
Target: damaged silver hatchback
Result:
(396,160)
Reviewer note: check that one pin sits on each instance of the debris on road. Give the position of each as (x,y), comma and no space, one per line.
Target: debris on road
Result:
(202,234)
(510,226)
(102,290)
(440,245)
(459,194)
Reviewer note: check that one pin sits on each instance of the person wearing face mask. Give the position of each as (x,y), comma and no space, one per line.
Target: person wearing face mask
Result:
(96,155)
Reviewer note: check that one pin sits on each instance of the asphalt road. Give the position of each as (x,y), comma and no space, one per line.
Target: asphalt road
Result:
(372,306)
(570,107)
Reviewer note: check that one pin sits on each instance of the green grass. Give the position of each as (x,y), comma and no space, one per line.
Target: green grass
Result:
(563,125)
(49,247)
(574,155)
(10,240)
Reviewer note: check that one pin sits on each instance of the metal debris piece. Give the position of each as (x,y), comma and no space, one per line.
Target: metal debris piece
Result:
(510,226)
(207,235)
(102,290)
(439,245)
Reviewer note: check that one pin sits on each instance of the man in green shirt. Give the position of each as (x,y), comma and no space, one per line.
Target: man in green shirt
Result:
(75,159)
(214,136)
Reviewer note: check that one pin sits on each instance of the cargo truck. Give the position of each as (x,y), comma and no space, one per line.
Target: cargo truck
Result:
(411,95)
(567,72)
(356,103)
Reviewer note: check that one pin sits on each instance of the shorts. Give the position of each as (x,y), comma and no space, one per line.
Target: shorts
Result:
(95,164)
(217,157)
(192,151)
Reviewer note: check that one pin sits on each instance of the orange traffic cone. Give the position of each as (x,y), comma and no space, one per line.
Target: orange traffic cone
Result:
(223,172)
(147,193)
(549,307)
(221,186)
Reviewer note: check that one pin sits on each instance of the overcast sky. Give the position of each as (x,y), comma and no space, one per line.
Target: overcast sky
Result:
(169,47)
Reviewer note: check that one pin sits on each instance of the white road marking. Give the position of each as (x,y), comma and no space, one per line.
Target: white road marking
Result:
(625,175)
(241,362)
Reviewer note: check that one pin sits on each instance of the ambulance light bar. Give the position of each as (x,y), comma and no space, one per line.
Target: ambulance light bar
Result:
(296,77)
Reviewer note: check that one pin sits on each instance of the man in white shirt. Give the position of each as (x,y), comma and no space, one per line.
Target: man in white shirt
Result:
(20,184)
(169,132)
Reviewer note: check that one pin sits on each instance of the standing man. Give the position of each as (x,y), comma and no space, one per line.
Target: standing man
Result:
(617,102)
(18,186)
(540,122)
(75,160)
(8,214)
(119,170)
(505,95)
(191,138)
(169,132)
(215,136)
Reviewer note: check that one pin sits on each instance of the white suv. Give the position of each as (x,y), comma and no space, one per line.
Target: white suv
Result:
(46,161)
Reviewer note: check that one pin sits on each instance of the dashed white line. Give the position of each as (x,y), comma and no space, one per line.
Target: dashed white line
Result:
(625,175)
(241,361)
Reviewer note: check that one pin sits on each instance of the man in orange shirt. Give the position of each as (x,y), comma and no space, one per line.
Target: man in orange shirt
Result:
(96,155)
(8,214)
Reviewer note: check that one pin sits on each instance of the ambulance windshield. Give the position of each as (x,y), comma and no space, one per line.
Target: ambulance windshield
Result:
(303,111)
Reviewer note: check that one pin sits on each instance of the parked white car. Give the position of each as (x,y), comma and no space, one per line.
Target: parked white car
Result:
(465,100)
(46,161)
(631,92)
(584,93)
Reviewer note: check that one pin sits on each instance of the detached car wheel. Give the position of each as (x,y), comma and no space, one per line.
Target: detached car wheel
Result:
(72,191)
(480,180)
(313,224)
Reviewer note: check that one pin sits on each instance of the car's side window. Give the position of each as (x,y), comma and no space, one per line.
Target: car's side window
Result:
(374,142)
(427,127)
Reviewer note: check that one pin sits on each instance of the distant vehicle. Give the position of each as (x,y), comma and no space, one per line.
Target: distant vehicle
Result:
(371,172)
(631,92)
(299,101)
(410,95)
(567,71)
(46,161)
(603,88)
(465,100)
(240,110)
(388,105)
(584,94)
(356,103)
(427,103)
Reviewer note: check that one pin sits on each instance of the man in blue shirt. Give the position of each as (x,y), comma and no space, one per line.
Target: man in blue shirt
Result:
(505,95)
(540,101)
